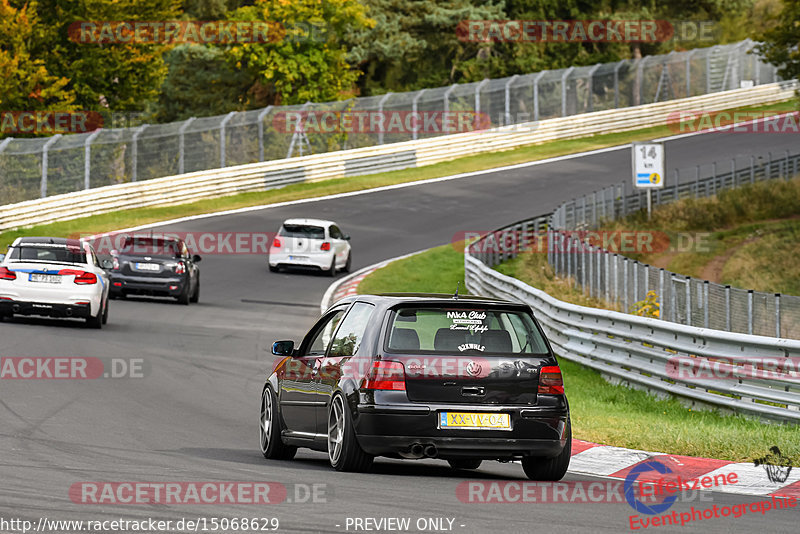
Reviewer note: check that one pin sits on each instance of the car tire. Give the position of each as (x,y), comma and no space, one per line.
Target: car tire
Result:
(105,313)
(183,298)
(344,452)
(549,469)
(273,268)
(196,295)
(348,263)
(96,322)
(332,271)
(465,463)
(270,427)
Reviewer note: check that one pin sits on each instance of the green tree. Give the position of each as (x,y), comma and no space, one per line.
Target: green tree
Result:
(307,61)
(200,82)
(116,76)
(25,82)
(781,44)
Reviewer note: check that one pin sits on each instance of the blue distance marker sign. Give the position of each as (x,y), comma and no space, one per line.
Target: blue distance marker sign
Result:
(648,165)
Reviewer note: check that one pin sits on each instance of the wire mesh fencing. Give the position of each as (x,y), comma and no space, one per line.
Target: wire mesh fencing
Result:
(34,168)
(595,260)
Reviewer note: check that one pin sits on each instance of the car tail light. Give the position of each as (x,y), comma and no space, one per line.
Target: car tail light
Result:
(277,243)
(5,274)
(180,268)
(550,381)
(83,278)
(386,375)
(325,246)
(83,303)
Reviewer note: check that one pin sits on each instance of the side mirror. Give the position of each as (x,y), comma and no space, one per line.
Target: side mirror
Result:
(196,258)
(346,237)
(107,264)
(283,348)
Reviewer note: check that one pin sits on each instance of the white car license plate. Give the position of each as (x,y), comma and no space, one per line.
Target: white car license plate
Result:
(45,278)
(148,267)
(298,258)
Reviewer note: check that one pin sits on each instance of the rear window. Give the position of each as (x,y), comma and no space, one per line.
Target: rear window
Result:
(303,231)
(48,252)
(151,246)
(457,330)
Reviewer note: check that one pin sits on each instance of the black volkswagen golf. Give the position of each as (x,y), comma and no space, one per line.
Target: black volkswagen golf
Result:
(462,379)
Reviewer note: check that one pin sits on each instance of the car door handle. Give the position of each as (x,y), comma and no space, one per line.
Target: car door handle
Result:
(473,391)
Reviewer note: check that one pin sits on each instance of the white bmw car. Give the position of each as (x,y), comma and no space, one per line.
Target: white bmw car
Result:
(310,243)
(53,277)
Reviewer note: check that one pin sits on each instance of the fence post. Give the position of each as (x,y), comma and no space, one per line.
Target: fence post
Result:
(689,300)
(768,172)
(599,284)
(508,98)
(414,102)
(750,311)
(661,293)
(635,280)
(616,83)
(135,152)
(777,315)
(625,283)
(446,106)
(261,132)
(569,261)
(673,299)
(752,169)
(385,97)
(564,90)
(734,181)
(182,150)
(714,178)
(536,95)
(589,85)
(606,257)
(677,189)
(786,175)
(728,308)
(705,303)
(222,125)
(689,72)
(583,265)
(45,148)
(478,94)
(697,182)
(591,272)
(87,158)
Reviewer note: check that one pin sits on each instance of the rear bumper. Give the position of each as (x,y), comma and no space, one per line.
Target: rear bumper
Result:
(141,285)
(46,309)
(301,260)
(394,429)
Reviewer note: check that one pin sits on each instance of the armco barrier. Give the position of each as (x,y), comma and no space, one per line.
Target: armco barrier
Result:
(638,351)
(261,176)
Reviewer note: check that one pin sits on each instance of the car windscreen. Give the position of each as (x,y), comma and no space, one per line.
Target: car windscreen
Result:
(48,253)
(457,330)
(302,231)
(149,246)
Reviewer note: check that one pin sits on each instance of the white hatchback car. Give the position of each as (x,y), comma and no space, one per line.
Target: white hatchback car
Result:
(54,277)
(310,243)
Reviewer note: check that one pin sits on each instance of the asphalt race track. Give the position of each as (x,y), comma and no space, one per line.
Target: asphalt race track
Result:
(193,416)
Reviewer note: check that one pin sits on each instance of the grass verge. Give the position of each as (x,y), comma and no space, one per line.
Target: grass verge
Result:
(601,412)
(140,216)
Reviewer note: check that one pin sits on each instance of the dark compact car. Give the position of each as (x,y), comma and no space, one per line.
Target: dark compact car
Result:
(463,379)
(154,265)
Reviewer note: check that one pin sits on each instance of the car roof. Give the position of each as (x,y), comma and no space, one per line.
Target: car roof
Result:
(391,299)
(310,222)
(22,241)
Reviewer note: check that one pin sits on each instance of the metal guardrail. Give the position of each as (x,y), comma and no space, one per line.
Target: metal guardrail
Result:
(32,168)
(642,352)
(621,281)
(409,154)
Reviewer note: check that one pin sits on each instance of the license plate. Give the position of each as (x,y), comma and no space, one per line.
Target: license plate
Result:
(298,258)
(45,278)
(501,421)
(148,267)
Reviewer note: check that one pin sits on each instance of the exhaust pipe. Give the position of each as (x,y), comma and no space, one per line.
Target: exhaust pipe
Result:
(430,451)
(417,450)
